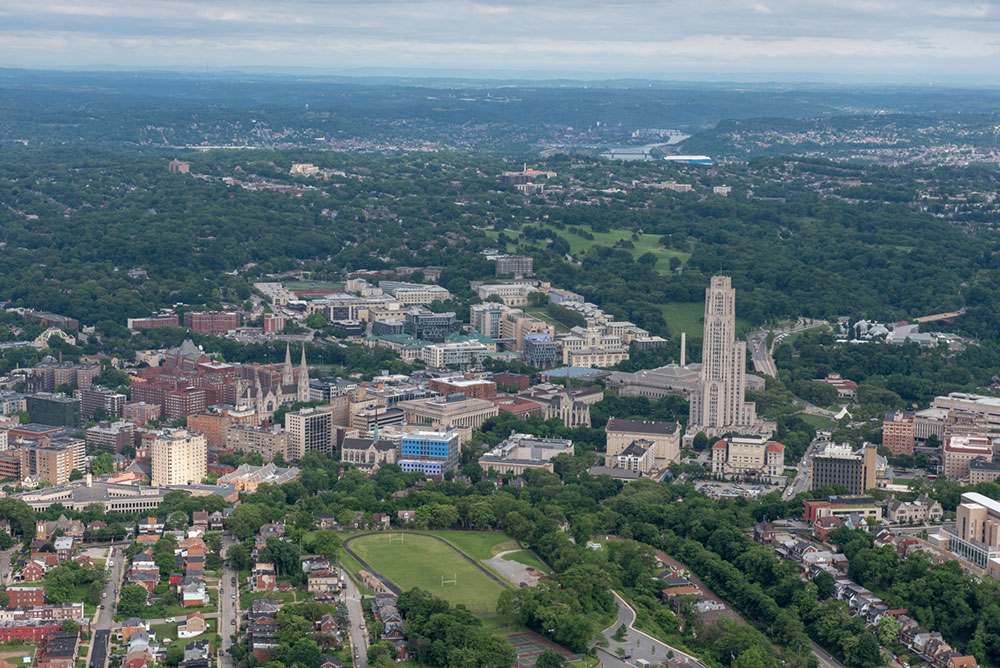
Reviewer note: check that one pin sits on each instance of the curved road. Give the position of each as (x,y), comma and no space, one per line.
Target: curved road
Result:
(637,645)
(388,583)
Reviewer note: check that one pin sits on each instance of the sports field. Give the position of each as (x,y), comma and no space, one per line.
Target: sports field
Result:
(421,561)
(529,646)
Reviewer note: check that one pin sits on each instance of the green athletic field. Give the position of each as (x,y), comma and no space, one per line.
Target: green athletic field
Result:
(420,561)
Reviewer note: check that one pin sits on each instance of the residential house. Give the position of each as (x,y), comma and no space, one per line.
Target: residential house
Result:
(151,525)
(324,581)
(328,624)
(193,592)
(131,625)
(263,577)
(763,533)
(193,625)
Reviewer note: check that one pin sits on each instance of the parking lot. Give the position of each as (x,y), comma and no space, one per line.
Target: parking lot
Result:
(732,490)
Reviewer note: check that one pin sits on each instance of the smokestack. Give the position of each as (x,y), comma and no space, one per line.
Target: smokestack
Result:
(683,347)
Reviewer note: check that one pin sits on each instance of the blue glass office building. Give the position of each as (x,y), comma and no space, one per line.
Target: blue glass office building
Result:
(429,452)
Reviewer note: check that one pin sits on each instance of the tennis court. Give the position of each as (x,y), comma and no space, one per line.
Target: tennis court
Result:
(529,646)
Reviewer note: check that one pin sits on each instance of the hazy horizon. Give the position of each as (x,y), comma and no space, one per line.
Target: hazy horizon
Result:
(853,41)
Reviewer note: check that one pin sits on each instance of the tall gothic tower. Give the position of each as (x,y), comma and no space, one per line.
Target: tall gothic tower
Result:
(303,380)
(287,375)
(719,403)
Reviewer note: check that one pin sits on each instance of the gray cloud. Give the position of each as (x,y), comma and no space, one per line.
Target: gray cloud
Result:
(932,38)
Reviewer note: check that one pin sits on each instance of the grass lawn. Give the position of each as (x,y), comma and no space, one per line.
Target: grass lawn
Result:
(646,243)
(477,544)
(528,559)
(539,312)
(27,648)
(817,421)
(247,597)
(684,317)
(687,317)
(422,562)
(794,335)
(170,631)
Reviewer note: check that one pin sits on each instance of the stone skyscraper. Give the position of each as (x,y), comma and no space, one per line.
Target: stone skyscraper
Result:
(718,405)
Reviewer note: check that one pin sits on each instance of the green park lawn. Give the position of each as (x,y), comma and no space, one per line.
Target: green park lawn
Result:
(477,544)
(421,561)
(646,243)
(539,312)
(687,317)
(817,421)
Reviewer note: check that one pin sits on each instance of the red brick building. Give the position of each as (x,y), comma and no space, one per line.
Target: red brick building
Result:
(273,323)
(898,431)
(22,597)
(508,380)
(473,388)
(520,407)
(182,403)
(211,322)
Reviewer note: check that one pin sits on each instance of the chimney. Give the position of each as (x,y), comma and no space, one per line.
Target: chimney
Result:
(89,480)
(683,347)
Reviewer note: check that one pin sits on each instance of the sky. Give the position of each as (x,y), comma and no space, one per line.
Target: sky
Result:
(906,40)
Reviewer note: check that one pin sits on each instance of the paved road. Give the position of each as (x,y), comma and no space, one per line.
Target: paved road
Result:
(637,645)
(762,355)
(359,638)
(801,481)
(826,660)
(109,599)
(228,608)
(5,569)
(99,649)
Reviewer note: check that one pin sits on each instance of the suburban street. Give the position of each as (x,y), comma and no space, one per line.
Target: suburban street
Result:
(637,645)
(5,556)
(228,607)
(359,639)
(105,617)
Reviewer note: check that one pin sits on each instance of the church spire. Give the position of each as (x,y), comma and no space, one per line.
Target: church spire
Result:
(287,377)
(303,385)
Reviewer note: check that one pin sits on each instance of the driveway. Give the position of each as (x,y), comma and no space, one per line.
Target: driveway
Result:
(516,573)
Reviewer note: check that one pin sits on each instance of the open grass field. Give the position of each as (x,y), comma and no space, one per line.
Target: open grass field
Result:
(646,243)
(539,312)
(421,561)
(817,421)
(687,317)
(478,544)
